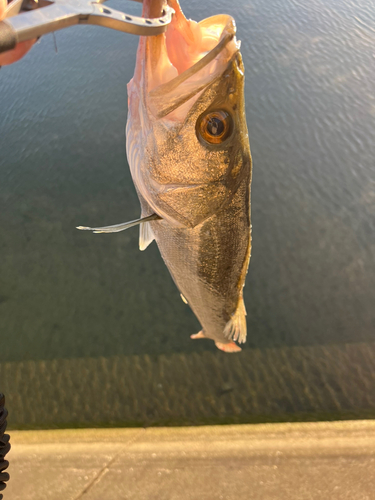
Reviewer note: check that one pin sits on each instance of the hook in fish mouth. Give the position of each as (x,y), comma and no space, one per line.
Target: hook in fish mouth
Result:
(161,98)
(175,67)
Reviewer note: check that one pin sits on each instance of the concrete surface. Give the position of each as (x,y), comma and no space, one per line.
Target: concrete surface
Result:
(294,461)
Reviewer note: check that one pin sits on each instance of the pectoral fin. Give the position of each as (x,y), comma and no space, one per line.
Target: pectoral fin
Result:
(120,227)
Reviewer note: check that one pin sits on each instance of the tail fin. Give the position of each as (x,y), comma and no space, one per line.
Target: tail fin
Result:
(231,347)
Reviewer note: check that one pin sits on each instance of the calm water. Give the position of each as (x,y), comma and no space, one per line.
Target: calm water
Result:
(310,73)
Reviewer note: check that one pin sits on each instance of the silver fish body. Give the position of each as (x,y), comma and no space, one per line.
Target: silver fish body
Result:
(201,190)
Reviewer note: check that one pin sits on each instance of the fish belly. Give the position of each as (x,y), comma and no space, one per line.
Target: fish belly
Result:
(209,263)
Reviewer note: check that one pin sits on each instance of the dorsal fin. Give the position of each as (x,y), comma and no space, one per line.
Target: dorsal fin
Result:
(120,227)
(235,329)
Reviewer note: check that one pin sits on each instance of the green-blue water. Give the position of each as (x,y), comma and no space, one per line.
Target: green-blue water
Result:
(310,105)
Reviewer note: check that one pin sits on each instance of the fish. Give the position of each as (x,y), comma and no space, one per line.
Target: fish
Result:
(189,155)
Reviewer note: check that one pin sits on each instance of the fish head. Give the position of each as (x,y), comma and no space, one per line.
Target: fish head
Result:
(187,139)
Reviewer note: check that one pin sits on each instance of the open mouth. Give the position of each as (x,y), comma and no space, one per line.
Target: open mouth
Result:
(188,58)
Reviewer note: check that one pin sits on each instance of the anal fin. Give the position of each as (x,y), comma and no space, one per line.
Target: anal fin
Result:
(199,335)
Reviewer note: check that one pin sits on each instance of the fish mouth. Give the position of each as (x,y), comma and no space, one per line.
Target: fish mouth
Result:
(178,65)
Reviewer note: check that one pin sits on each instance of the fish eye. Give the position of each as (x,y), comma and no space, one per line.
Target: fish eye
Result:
(214,127)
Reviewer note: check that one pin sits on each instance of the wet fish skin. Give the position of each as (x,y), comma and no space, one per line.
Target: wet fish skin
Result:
(202,193)
(214,249)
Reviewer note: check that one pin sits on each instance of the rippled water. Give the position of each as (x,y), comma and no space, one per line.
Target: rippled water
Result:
(310,73)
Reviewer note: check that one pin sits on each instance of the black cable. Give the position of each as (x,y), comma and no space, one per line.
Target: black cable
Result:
(4,445)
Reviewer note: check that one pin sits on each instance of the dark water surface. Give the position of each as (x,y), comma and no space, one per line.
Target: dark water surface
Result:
(64,294)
